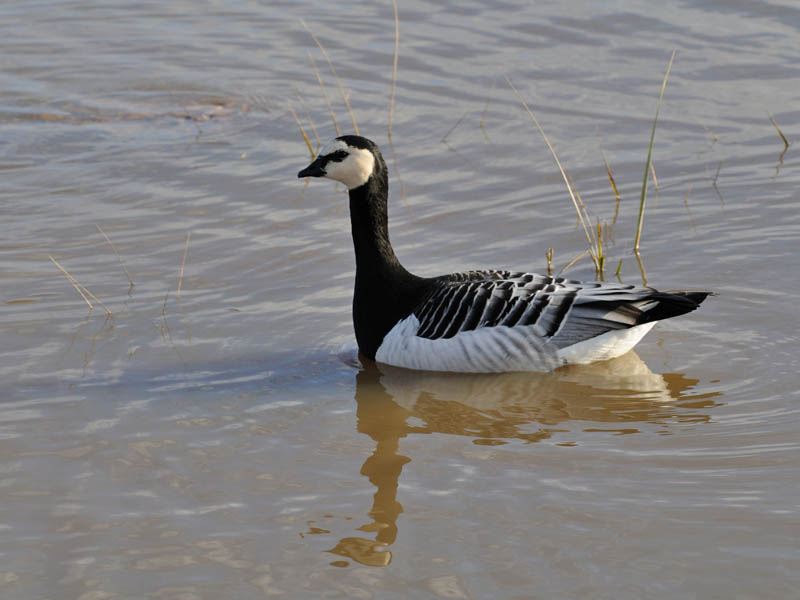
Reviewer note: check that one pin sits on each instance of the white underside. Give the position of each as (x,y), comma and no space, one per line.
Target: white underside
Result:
(498,349)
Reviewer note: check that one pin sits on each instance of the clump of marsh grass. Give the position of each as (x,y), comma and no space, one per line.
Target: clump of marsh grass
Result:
(599,235)
(580,208)
(89,297)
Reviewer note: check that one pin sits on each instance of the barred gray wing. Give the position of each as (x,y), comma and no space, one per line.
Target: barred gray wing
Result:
(560,310)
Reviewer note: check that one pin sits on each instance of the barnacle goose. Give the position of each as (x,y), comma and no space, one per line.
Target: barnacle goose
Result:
(477,321)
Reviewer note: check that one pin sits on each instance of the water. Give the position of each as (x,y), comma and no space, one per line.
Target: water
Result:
(226,443)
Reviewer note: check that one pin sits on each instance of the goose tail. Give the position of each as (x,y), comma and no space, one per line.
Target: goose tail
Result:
(664,305)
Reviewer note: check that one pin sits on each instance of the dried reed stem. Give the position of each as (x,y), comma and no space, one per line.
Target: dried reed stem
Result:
(780,133)
(324,94)
(183,262)
(641,267)
(122,264)
(716,174)
(653,172)
(310,120)
(574,260)
(643,197)
(714,181)
(333,72)
(549,258)
(453,128)
(601,259)
(72,281)
(560,168)
(785,145)
(394,65)
(613,187)
(596,245)
(302,131)
(79,287)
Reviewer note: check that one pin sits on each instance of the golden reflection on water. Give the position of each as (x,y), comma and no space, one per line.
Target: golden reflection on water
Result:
(493,409)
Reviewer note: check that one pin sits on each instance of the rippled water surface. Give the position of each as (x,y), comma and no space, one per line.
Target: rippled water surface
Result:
(225,442)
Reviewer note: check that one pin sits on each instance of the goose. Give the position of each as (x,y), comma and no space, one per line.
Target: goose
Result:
(483,321)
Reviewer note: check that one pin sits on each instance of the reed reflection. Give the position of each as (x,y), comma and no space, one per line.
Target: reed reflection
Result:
(493,409)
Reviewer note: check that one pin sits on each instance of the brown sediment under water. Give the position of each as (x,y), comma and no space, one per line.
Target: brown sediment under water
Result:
(225,442)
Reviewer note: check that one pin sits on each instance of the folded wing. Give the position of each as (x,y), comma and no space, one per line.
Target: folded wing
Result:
(560,311)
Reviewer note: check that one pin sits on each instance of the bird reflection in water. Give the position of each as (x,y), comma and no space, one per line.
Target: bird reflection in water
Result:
(493,409)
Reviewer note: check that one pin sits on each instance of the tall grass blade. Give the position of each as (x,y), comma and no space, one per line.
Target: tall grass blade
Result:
(643,197)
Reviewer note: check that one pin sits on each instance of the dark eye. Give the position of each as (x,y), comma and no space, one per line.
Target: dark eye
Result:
(338,156)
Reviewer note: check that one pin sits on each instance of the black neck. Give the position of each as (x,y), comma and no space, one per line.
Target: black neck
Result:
(384,292)
(370,225)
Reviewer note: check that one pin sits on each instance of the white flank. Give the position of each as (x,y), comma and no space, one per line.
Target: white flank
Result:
(607,345)
(484,350)
(354,170)
(497,349)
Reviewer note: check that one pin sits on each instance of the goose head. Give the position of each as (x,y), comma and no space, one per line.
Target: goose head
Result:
(349,159)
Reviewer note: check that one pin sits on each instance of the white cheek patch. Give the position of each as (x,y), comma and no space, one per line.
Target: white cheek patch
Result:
(354,170)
